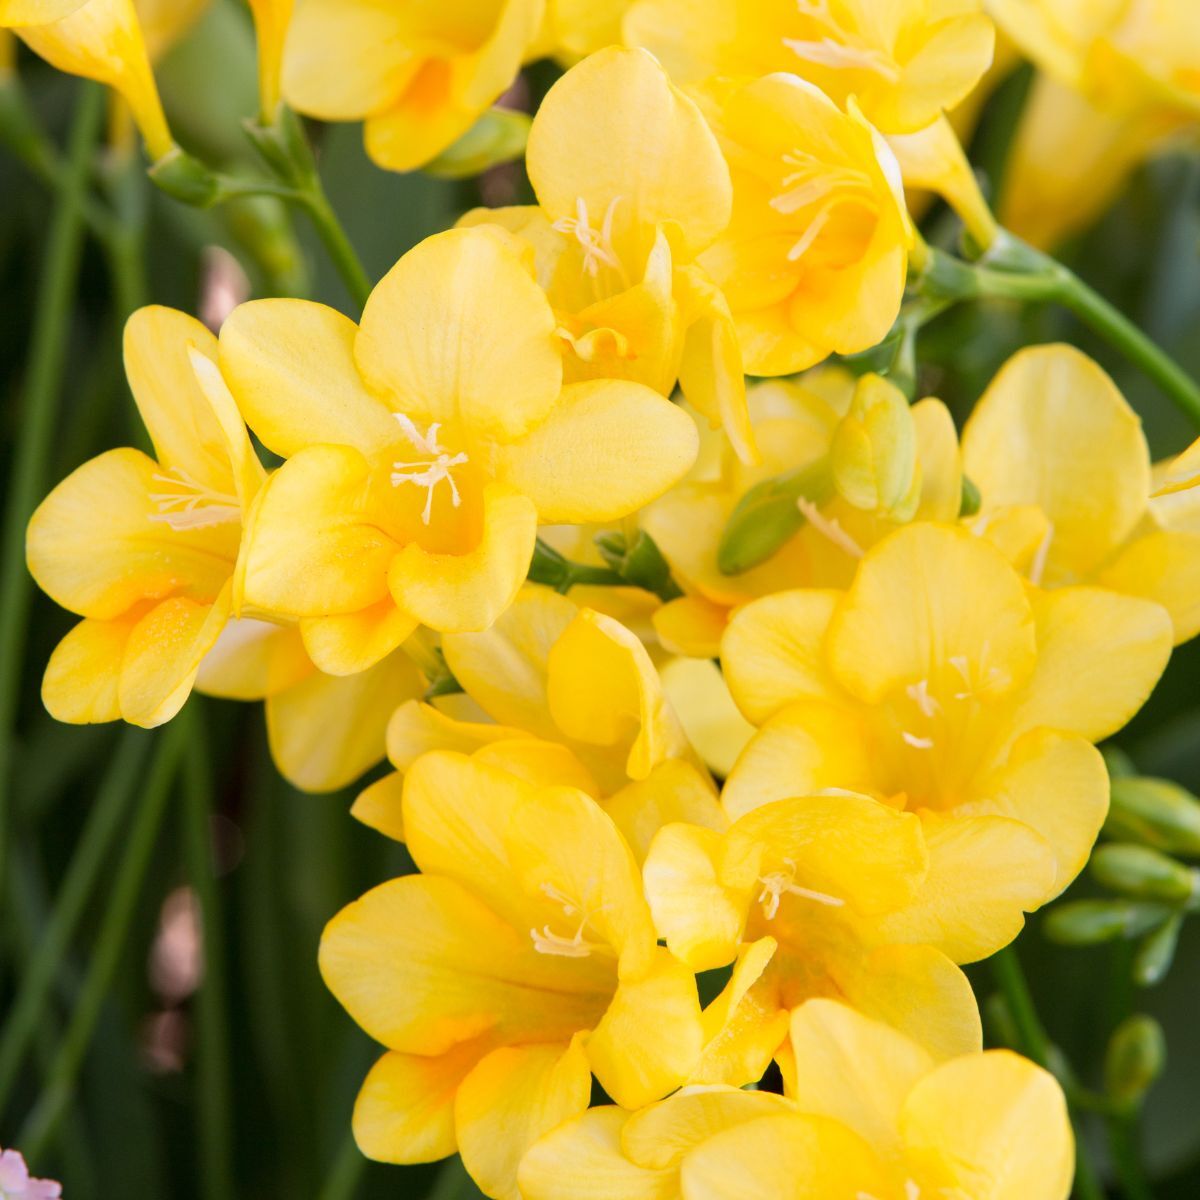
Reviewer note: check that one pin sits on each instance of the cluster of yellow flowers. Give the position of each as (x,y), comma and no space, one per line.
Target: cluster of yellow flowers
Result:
(920,636)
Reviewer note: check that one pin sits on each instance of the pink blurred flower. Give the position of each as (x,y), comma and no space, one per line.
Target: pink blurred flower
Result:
(17,1184)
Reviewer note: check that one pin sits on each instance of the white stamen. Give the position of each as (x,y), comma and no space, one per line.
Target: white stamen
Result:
(545,941)
(775,884)
(428,472)
(837,55)
(917,743)
(195,507)
(1037,568)
(829,528)
(597,243)
(919,694)
(911,1190)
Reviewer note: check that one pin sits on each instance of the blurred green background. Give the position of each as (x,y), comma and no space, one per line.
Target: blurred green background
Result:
(244,1087)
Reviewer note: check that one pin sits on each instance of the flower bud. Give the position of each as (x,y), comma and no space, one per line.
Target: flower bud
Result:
(186,179)
(1142,872)
(1157,813)
(1157,952)
(640,564)
(972,499)
(1088,922)
(874,450)
(1137,1053)
(499,136)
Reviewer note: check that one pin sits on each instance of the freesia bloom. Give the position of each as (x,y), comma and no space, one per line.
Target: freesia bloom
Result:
(419,75)
(324,731)
(868,460)
(522,960)
(562,695)
(424,445)
(942,685)
(144,549)
(17,1184)
(272,19)
(1116,82)
(816,253)
(870,1115)
(800,892)
(100,40)
(632,188)
(1067,516)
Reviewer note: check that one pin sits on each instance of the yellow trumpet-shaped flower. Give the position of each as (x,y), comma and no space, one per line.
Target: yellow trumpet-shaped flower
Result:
(418,74)
(1066,517)
(941,684)
(803,890)
(144,549)
(870,461)
(564,695)
(272,19)
(816,254)
(324,731)
(424,445)
(632,188)
(36,12)
(1117,81)
(103,40)
(522,960)
(869,1115)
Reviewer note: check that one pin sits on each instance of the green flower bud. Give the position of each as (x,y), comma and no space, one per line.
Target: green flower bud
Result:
(1142,872)
(1088,922)
(1137,1053)
(499,136)
(971,501)
(640,564)
(1157,952)
(186,179)
(1156,812)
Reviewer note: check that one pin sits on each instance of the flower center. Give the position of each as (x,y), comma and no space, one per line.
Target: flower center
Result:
(192,505)
(545,941)
(597,243)
(816,188)
(779,882)
(429,471)
(837,48)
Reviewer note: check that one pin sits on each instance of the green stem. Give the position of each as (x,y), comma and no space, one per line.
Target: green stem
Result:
(1126,1157)
(42,1124)
(111,803)
(1035,1044)
(47,362)
(212,1057)
(345,1175)
(337,244)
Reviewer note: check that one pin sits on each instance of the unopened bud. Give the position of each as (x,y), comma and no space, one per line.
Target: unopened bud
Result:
(1137,1053)
(1144,873)
(1155,812)
(1088,922)
(499,136)
(186,179)
(640,563)
(874,450)
(972,499)
(1157,952)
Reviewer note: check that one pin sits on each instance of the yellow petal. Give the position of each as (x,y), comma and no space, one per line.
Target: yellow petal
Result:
(163,654)
(923,596)
(495,365)
(327,730)
(854,1070)
(992,1125)
(252,660)
(462,593)
(674,791)
(1162,565)
(606,449)
(415,729)
(700,696)
(311,520)
(36,12)
(583,1158)
(290,364)
(985,873)
(691,626)
(941,464)
(1021,447)
(80,684)
(513,1097)
(652,149)
(648,1041)
(700,918)
(271,22)
(353,642)
(541,764)
(405,1109)
(97,543)
(380,806)
(773,652)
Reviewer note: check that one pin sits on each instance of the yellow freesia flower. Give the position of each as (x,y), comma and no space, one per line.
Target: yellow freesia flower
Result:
(1070,518)
(144,549)
(418,466)
(100,40)
(870,461)
(1117,81)
(324,731)
(522,960)
(632,188)
(816,253)
(941,684)
(805,890)
(418,75)
(558,695)
(272,19)
(573,29)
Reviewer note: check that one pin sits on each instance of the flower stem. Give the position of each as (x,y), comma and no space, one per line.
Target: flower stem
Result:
(35,431)
(212,1057)
(1123,1145)
(337,244)
(43,1122)
(1035,1044)
(346,1173)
